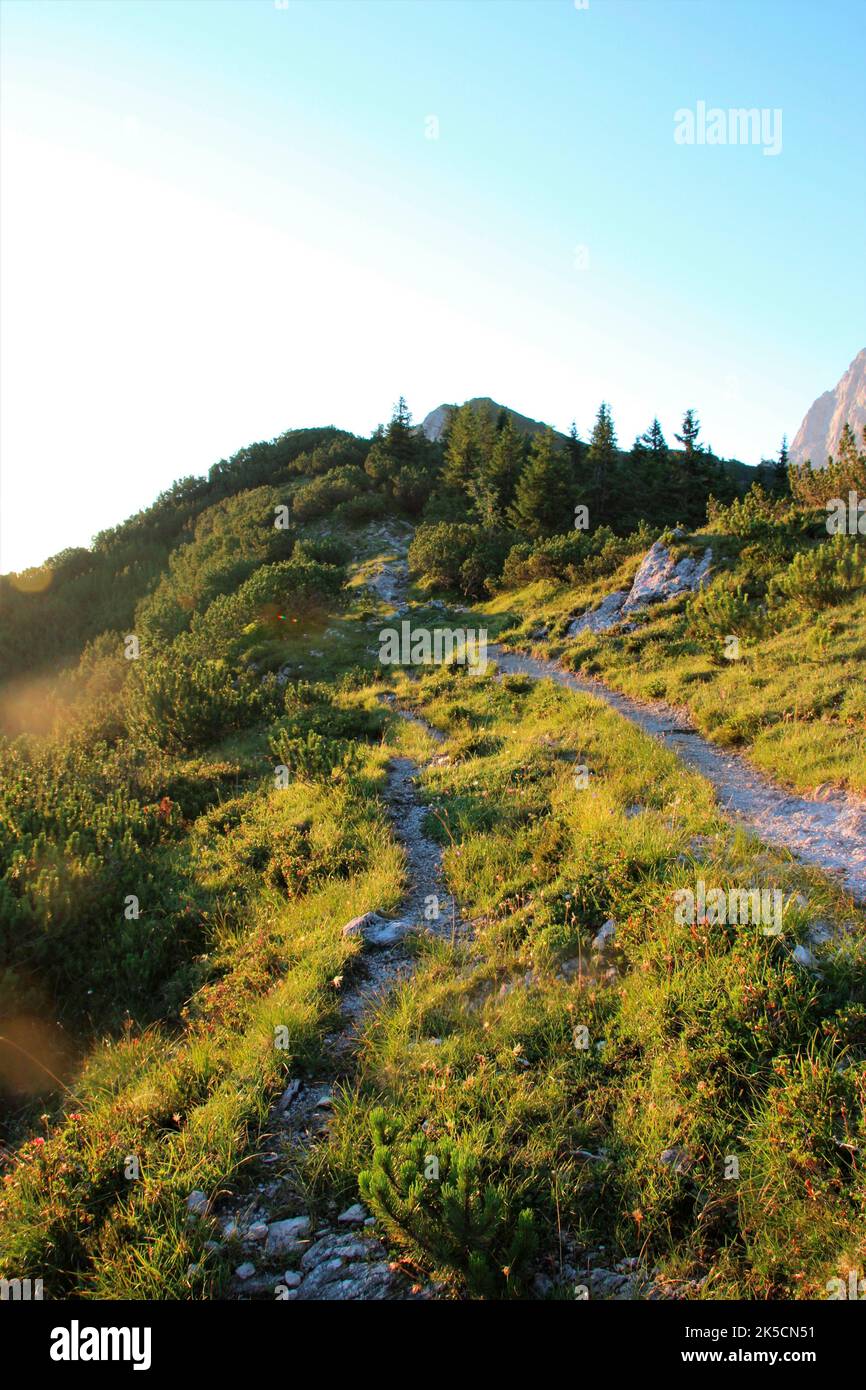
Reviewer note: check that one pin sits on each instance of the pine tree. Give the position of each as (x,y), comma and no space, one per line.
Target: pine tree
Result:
(543,498)
(781,481)
(575,448)
(468,448)
(602,466)
(689,440)
(400,460)
(651,487)
(693,476)
(494,485)
(654,441)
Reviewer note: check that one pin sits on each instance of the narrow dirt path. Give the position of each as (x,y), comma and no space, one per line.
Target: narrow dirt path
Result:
(428,906)
(829,833)
(276,1250)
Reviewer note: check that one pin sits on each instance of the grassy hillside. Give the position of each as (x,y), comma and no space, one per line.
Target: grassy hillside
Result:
(193,804)
(793,695)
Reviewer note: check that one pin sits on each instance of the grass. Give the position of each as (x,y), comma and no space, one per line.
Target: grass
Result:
(187,1104)
(795,699)
(706,1038)
(545,1077)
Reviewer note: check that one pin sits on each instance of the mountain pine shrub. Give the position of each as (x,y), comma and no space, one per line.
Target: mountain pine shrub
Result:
(822,577)
(314,757)
(456,1220)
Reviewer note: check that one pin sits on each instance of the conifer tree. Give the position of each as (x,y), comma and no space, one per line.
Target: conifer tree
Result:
(652,487)
(693,483)
(544,498)
(468,447)
(400,459)
(494,486)
(602,460)
(782,483)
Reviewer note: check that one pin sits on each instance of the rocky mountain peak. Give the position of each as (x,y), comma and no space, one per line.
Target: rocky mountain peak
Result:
(818,435)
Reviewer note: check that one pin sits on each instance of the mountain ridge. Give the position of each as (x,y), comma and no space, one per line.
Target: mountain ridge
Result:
(435,423)
(822,425)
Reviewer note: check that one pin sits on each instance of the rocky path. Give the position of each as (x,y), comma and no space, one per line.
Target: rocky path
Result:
(277,1249)
(828,830)
(281,1252)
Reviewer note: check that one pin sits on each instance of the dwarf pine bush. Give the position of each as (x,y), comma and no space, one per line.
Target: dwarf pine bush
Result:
(720,609)
(822,577)
(314,758)
(180,702)
(438,1206)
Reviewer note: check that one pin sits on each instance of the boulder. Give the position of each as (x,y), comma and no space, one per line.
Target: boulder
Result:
(284,1237)
(657,580)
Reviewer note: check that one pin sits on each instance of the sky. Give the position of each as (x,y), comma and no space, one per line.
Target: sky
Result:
(222,219)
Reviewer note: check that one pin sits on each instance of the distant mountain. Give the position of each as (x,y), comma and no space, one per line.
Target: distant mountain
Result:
(822,426)
(434,424)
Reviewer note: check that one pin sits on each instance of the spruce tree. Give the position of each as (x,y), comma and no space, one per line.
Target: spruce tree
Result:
(782,484)
(693,480)
(468,448)
(400,460)
(602,468)
(495,483)
(543,499)
(650,484)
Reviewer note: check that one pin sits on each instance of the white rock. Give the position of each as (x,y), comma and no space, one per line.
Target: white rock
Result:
(246,1270)
(288,1095)
(357,924)
(659,579)
(258,1232)
(603,937)
(353,1216)
(599,619)
(820,932)
(285,1236)
(374,929)
(196,1203)
(291,1278)
(676,1159)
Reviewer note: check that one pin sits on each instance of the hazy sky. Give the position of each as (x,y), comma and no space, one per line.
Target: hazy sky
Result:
(226,218)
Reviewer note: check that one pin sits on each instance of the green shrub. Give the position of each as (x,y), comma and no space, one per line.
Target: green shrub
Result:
(575,557)
(324,550)
(321,496)
(458,556)
(272,598)
(754,515)
(367,506)
(722,609)
(456,1220)
(314,758)
(311,709)
(178,701)
(822,577)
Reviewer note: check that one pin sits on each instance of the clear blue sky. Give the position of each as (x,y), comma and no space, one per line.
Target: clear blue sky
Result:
(223,219)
